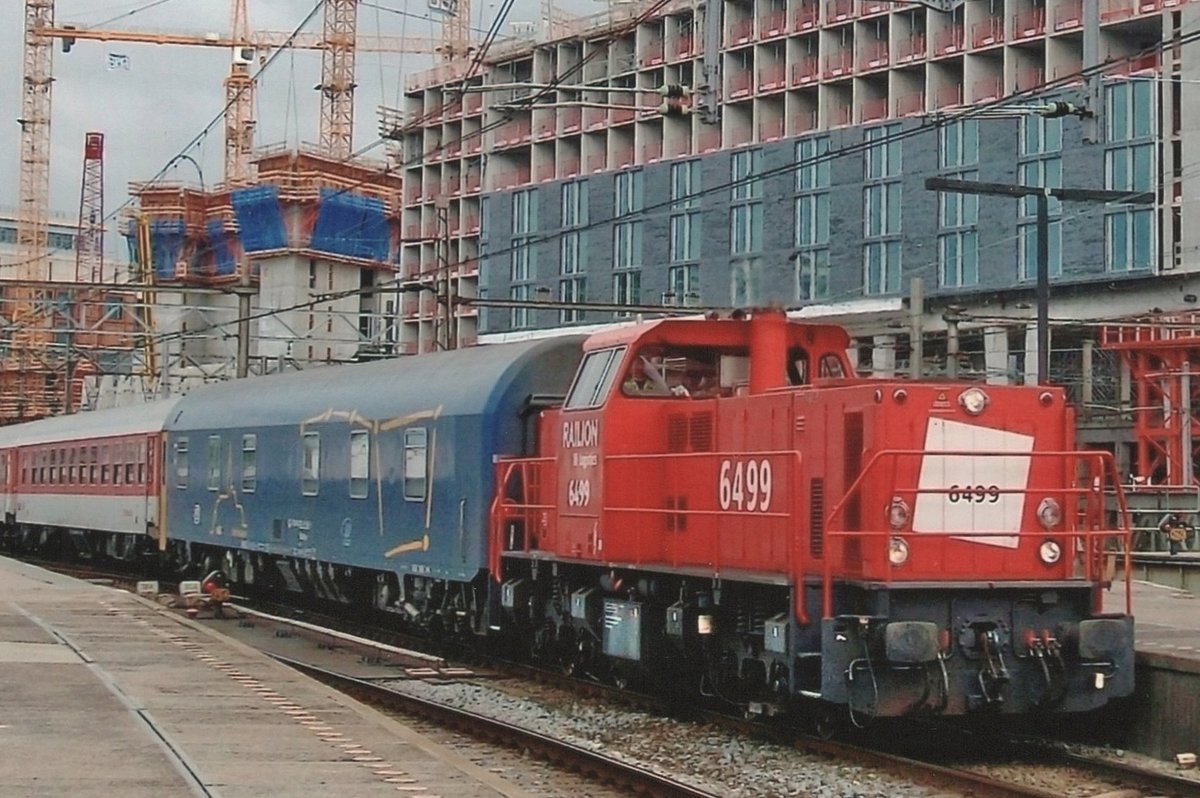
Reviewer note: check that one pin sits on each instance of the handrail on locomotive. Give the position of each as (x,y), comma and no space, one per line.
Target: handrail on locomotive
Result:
(1085,527)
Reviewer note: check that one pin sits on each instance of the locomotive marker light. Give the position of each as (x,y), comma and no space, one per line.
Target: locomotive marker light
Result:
(974,400)
(1050,552)
(898,513)
(1049,513)
(898,551)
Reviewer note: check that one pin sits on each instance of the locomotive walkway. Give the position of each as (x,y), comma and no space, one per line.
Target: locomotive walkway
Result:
(107,694)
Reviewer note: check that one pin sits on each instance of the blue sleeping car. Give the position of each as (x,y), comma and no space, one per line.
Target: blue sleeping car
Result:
(386,466)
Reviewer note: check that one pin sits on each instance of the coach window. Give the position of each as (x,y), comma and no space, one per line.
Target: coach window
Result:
(360,463)
(181,463)
(93,464)
(249,463)
(131,456)
(104,463)
(416,452)
(310,476)
(141,463)
(594,379)
(118,462)
(53,464)
(214,462)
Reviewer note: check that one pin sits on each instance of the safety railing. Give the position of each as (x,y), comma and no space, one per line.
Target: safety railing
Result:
(524,498)
(1081,529)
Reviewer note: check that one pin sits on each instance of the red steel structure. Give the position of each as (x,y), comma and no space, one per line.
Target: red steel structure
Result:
(1163,355)
(89,246)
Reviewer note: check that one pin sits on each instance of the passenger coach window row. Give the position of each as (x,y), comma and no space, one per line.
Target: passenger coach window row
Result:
(106,464)
(416,457)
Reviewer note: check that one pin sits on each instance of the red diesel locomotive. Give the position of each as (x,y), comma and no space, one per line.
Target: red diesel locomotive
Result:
(722,505)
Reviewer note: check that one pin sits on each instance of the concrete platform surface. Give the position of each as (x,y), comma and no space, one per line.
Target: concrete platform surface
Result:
(107,694)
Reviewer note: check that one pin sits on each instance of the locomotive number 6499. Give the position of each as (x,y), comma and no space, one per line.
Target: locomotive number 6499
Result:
(745,485)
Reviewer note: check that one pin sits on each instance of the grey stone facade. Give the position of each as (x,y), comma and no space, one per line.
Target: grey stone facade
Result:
(1083,238)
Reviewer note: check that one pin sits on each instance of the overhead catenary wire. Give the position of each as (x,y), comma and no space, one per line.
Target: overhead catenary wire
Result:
(399,283)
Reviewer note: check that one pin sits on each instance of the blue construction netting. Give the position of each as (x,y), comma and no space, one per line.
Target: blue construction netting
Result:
(223,262)
(351,225)
(259,218)
(166,245)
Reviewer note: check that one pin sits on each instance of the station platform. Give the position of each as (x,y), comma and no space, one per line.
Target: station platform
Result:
(107,693)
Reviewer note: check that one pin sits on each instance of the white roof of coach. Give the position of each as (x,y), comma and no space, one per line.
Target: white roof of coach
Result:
(132,420)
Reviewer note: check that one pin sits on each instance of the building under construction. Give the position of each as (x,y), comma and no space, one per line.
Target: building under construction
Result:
(777,151)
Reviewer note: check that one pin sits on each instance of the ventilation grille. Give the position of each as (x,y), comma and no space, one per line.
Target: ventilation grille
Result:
(702,432)
(816,517)
(689,433)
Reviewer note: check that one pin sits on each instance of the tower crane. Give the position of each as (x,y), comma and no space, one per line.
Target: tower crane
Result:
(338,42)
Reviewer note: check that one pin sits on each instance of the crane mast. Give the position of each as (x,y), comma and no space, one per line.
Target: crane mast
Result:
(337,78)
(239,100)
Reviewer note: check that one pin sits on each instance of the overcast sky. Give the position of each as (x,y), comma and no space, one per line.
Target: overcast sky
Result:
(150,112)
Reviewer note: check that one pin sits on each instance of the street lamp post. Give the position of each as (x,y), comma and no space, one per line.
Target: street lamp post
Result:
(1043,195)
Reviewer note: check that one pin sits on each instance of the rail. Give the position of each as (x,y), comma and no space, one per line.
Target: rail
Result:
(1078,524)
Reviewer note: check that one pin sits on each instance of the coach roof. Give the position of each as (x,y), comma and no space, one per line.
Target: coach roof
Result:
(458,382)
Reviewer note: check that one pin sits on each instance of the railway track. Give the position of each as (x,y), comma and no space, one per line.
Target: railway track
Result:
(1039,772)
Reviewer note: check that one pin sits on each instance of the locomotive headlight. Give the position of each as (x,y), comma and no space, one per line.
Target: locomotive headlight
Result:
(1050,552)
(897,514)
(974,400)
(1049,513)
(898,551)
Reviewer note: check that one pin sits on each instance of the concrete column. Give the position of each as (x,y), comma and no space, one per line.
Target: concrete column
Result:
(1087,396)
(1031,354)
(995,354)
(883,357)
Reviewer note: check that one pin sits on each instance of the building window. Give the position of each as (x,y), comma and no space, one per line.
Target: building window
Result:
(627,289)
(1040,135)
(1042,172)
(812,220)
(745,282)
(958,236)
(627,192)
(881,160)
(881,267)
(571,248)
(882,198)
(249,463)
(310,469)
(685,185)
(685,237)
(181,463)
(746,212)
(572,291)
(746,228)
(685,217)
(416,457)
(519,317)
(958,144)
(812,170)
(811,260)
(812,274)
(360,463)
(745,170)
(524,211)
(1130,165)
(683,285)
(574,204)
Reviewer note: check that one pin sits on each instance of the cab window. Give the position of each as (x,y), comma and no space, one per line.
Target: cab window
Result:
(594,379)
(674,372)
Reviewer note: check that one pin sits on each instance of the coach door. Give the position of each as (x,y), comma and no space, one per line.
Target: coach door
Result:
(8,463)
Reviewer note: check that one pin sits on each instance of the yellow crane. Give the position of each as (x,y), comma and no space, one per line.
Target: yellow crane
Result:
(338,42)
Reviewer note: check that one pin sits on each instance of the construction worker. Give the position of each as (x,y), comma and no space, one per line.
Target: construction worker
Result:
(1177,531)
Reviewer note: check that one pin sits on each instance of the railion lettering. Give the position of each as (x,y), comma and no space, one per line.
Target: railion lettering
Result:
(581,434)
